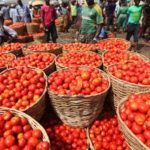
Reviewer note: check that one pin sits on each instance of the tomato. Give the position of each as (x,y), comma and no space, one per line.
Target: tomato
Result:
(140,119)
(37,133)
(9,140)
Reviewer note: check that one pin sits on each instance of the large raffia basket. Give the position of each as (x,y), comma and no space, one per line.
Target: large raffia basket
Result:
(79,111)
(102,50)
(121,88)
(51,67)
(34,124)
(20,30)
(132,140)
(60,66)
(134,53)
(5,67)
(37,109)
(32,28)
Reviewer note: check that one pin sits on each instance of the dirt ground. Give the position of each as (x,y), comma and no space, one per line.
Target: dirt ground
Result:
(69,38)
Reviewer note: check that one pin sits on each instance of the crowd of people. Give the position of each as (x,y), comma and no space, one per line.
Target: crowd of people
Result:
(92,20)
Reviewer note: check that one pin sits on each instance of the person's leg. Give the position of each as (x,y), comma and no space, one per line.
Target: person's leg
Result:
(47,35)
(53,33)
(129,32)
(136,35)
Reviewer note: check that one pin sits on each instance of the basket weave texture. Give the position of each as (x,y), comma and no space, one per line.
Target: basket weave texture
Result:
(34,124)
(79,111)
(131,138)
(37,109)
(60,66)
(136,54)
(121,88)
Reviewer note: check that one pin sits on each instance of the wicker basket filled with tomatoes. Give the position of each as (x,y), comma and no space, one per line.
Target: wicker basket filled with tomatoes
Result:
(20,131)
(43,61)
(114,57)
(14,48)
(19,27)
(36,20)
(32,27)
(128,77)
(113,44)
(74,59)
(54,48)
(134,120)
(64,137)
(38,37)
(105,133)
(5,60)
(78,94)
(24,89)
(79,47)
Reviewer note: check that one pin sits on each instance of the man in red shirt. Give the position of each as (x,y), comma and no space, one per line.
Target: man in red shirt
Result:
(48,14)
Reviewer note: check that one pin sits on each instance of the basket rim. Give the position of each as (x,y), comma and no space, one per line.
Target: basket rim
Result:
(40,53)
(35,69)
(144,58)
(123,100)
(128,42)
(83,96)
(28,118)
(120,80)
(63,66)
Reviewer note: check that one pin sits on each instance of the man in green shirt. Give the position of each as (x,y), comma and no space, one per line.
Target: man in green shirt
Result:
(134,14)
(92,21)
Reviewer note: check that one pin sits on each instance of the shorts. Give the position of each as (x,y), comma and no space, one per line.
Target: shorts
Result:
(133,30)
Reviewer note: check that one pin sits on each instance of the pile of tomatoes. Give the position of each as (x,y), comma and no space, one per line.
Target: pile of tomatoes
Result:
(78,81)
(113,57)
(80,59)
(79,47)
(17,134)
(6,59)
(38,60)
(43,47)
(21,87)
(113,44)
(10,47)
(17,25)
(135,113)
(64,137)
(138,73)
(105,134)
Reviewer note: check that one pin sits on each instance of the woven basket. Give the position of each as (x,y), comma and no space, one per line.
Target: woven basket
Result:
(20,30)
(17,52)
(79,111)
(101,51)
(36,20)
(34,124)
(61,66)
(121,88)
(54,51)
(131,138)
(33,28)
(50,68)
(37,109)
(137,54)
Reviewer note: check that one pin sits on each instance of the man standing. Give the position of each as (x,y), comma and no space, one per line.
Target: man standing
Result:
(91,23)
(48,14)
(73,8)
(22,12)
(5,11)
(133,16)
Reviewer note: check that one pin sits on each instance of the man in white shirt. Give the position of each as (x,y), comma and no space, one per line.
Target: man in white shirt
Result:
(6,34)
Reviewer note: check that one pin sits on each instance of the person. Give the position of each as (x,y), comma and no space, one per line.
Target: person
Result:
(92,22)
(48,15)
(22,12)
(110,13)
(73,8)
(12,13)
(6,34)
(121,16)
(5,11)
(133,17)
